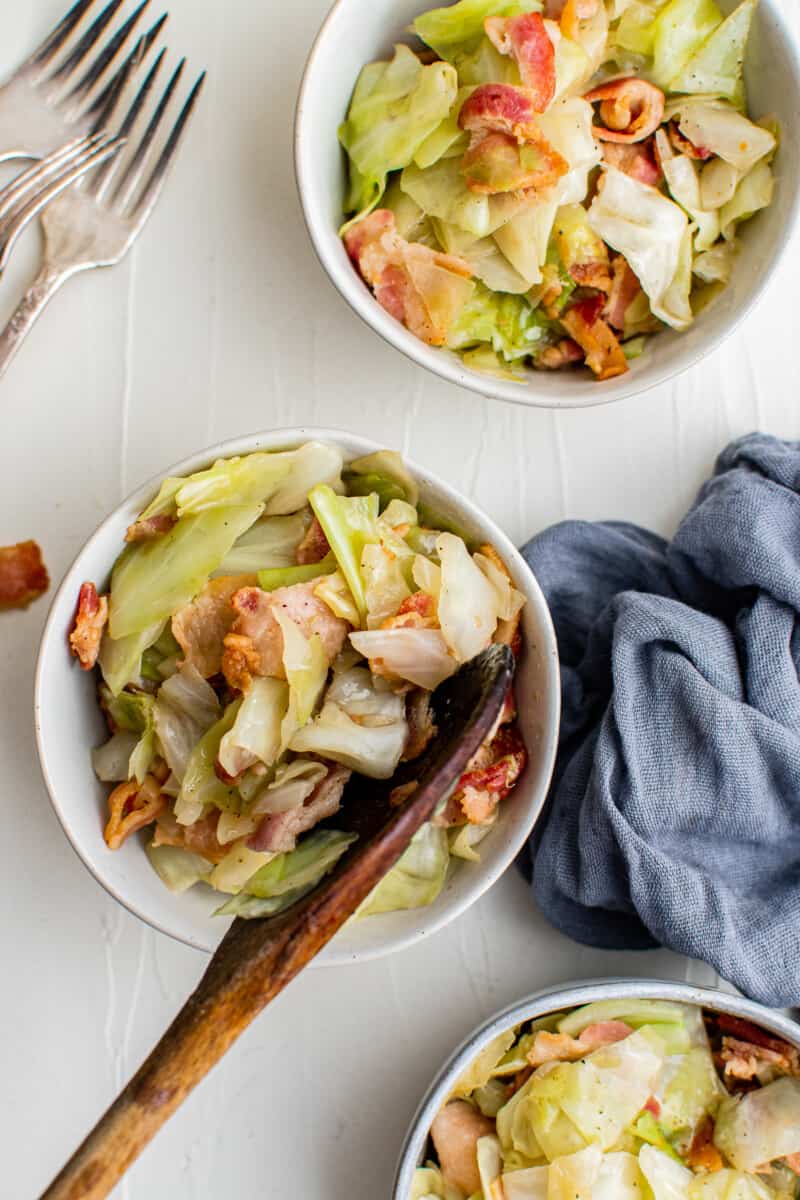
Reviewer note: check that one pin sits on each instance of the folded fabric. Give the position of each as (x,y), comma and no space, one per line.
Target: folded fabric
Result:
(674,813)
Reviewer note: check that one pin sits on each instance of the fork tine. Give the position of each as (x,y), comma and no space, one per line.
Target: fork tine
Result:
(102,150)
(104,105)
(56,39)
(39,172)
(155,183)
(108,53)
(87,42)
(101,177)
(133,171)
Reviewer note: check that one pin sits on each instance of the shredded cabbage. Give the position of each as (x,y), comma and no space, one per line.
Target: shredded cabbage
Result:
(651,231)
(395,106)
(417,877)
(255,735)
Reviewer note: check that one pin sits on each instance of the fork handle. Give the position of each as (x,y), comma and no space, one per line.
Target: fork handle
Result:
(38,295)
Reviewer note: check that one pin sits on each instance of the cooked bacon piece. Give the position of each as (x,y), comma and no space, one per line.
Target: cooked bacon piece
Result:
(422,288)
(314,546)
(603,352)
(631,108)
(592,274)
(519,1080)
(200,627)
(525,39)
(131,806)
(87,628)
(625,287)
(683,146)
(703,1155)
(201,837)
(575,11)
(793,1162)
(565,353)
(418,611)
(746,1031)
(653,1106)
(455,1131)
(635,159)
(749,1060)
(421,729)
(150,528)
(23,575)
(400,794)
(508,151)
(560,1047)
(278,832)
(490,777)
(254,645)
(507,632)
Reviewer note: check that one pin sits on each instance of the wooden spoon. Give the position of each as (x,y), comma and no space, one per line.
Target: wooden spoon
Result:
(257,958)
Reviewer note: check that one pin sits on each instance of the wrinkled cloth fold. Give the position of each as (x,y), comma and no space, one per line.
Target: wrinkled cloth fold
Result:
(674,814)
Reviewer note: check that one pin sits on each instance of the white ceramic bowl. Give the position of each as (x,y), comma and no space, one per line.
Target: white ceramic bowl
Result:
(359,31)
(69,723)
(571,995)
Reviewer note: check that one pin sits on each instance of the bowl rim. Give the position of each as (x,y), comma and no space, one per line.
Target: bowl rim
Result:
(276,439)
(570,994)
(361,301)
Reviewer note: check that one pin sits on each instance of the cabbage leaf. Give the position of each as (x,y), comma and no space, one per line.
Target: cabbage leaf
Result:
(417,877)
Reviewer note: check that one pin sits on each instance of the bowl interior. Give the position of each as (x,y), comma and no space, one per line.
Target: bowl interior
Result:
(558,1000)
(68,723)
(356,33)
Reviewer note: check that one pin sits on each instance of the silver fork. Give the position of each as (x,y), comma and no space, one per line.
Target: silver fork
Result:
(95,223)
(26,196)
(47,103)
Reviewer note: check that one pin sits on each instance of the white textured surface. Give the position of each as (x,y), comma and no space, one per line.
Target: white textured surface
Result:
(222,323)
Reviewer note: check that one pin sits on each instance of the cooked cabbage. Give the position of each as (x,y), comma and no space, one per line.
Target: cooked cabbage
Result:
(421,656)
(186,706)
(416,879)
(761,1125)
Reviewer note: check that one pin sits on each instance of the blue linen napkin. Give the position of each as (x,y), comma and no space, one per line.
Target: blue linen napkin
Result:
(674,813)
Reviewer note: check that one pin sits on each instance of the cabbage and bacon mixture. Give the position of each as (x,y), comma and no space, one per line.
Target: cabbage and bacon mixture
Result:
(622,1100)
(549,182)
(274,623)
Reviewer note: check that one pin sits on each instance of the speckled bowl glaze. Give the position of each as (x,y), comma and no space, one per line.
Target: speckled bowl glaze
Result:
(69,723)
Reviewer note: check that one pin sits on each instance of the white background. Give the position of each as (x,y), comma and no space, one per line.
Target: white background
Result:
(222,323)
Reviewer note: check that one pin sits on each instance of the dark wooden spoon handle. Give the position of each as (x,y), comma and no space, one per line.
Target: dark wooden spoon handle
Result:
(257,958)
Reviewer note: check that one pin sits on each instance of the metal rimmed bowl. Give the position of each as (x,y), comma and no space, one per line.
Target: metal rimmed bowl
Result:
(69,723)
(560,999)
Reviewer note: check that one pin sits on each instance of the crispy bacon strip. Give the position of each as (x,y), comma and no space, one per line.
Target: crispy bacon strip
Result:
(418,611)
(495,770)
(632,109)
(575,11)
(200,627)
(525,39)
(560,1047)
(91,617)
(278,832)
(703,1155)
(604,355)
(625,288)
(254,645)
(201,837)
(565,353)
(422,288)
(131,806)
(751,1060)
(23,575)
(314,545)
(508,151)
(683,146)
(150,528)
(635,159)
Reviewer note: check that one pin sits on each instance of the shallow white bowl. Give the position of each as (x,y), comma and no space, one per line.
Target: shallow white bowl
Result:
(69,724)
(359,31)
(559,999)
